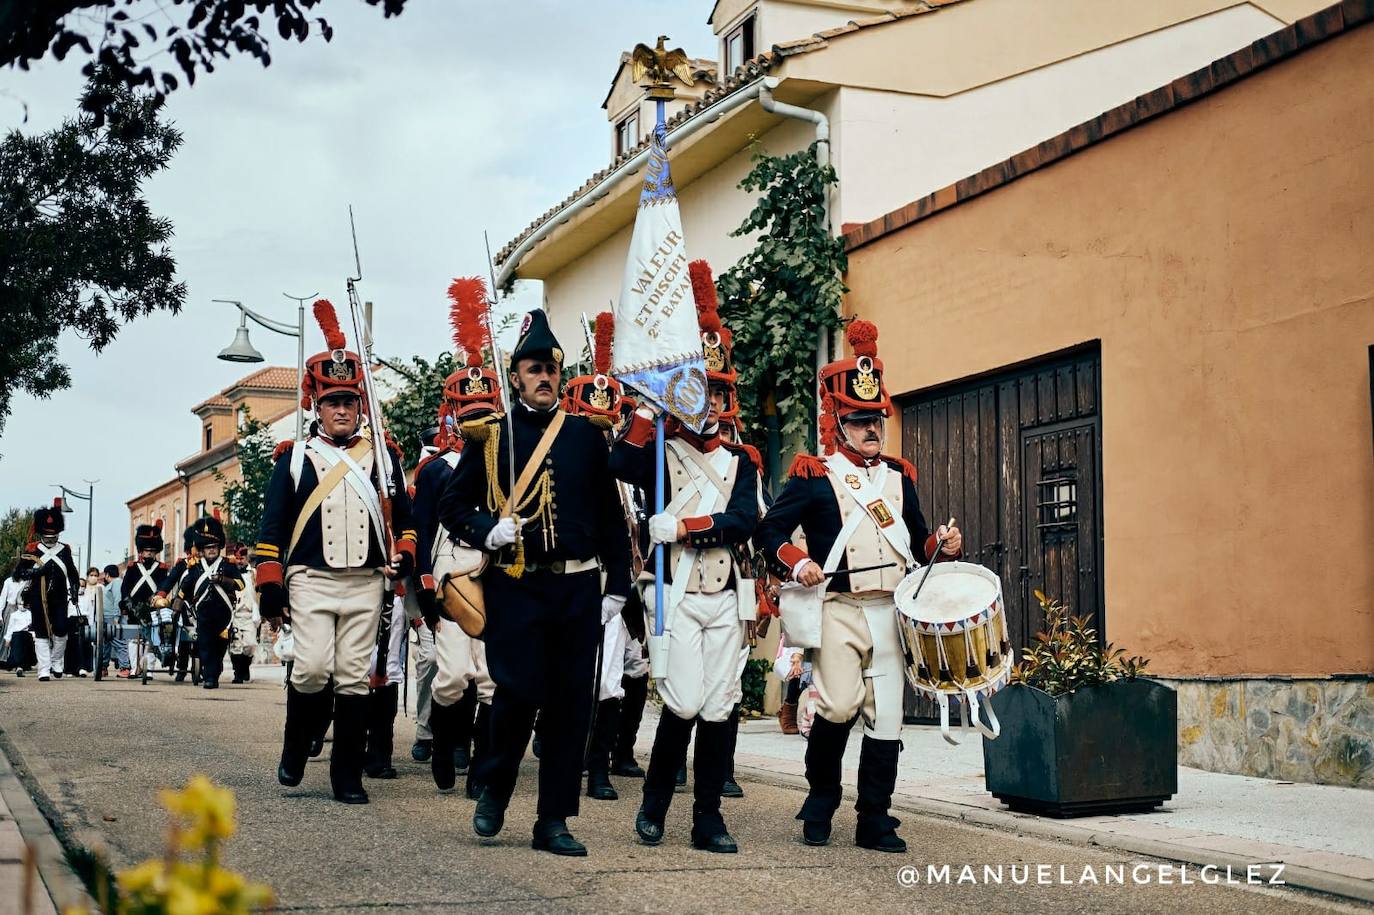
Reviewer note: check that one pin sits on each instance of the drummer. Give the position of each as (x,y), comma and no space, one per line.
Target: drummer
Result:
(858,510)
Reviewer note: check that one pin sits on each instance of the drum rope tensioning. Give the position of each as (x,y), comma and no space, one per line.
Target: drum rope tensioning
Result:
(961,627)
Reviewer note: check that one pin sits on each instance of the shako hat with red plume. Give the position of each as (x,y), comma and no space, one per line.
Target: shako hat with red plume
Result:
(471,390)
(335,371)
(49,520)
(148,536)
(717,342)
(853,387)
(597,394)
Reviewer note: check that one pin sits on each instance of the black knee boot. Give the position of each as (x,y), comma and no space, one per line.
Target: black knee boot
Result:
(631,714)
(462,729)
(301,711)
(604,733)
(668,754)
(731,788)
(710,766)
(442,724)
(481,740)
(350,738)
(877,779)
(824,765)
(323,716)
(381,724)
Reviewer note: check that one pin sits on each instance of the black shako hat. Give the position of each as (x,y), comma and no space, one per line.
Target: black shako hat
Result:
(148,536)
(536,340)
(207,531)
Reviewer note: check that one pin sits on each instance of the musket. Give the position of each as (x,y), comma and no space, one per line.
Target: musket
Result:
(502,382)
(381,463)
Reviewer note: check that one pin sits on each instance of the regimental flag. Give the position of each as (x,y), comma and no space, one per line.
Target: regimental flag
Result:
(657,341)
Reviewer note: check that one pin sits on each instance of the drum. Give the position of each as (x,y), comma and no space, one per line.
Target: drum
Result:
(954,637)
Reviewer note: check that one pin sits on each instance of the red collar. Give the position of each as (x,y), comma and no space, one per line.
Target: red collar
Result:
(857,459)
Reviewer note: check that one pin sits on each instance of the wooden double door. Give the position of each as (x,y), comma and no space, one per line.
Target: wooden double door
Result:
(1016,458)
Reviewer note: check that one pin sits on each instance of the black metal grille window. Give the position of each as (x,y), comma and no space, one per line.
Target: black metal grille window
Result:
(1057,502)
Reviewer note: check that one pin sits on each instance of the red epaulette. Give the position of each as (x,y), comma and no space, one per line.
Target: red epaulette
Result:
(421,466)
(807,465)
(283,446)
(907,468)
(742,448)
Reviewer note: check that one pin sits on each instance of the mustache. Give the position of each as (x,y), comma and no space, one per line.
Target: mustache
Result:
(871,437)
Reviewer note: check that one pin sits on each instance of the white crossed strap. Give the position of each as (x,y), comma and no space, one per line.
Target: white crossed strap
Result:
(209,571)
(145,577)
(356,478)
(872,504)
(712,499)
(50,554)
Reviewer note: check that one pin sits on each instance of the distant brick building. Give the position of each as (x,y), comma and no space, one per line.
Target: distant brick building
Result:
(269,394)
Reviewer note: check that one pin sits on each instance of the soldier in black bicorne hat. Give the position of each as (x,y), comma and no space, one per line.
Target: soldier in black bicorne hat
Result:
(53,583)
(544,585)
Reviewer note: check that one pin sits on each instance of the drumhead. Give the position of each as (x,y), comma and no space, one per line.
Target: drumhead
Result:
(956,591)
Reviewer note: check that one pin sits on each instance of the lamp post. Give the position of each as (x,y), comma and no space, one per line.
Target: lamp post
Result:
(89,498)
(241,350)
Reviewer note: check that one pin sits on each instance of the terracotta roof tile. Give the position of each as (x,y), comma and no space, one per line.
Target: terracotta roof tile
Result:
(1267,50)
(272,376)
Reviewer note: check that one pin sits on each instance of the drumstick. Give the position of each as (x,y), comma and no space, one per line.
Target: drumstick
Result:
(885,565)
(939,545)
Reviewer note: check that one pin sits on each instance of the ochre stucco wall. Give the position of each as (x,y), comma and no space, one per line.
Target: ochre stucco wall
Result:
(1221,254)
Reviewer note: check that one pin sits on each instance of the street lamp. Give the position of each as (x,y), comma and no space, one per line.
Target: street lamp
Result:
(89,498)
(242,350)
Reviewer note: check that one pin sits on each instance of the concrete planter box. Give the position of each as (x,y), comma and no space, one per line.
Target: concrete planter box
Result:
(1101,749)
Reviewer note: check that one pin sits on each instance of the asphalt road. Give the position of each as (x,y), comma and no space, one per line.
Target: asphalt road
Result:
(99,752)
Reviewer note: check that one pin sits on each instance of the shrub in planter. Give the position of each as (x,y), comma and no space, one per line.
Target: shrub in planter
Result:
(1082,732)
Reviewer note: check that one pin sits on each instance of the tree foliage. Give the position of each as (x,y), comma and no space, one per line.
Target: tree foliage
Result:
(15,527)
(416,406)
(784,294)
(245,499)
(121,37)
(79,247)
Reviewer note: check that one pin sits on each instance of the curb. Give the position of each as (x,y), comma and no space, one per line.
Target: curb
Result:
(26,802)
(1295,875)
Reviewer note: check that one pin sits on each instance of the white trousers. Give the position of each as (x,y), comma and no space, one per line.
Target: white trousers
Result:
(613,645)
(705,636)
(395,671)
(425,670)
(459,660)
(636,661)
(52,654)
(859,666)
(334,616)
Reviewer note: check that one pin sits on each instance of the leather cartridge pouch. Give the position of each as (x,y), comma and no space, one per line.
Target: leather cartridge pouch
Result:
(460,587)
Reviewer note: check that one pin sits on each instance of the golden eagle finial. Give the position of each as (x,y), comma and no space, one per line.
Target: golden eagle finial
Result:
(659,65)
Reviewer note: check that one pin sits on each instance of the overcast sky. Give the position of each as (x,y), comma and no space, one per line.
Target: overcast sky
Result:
(453,118)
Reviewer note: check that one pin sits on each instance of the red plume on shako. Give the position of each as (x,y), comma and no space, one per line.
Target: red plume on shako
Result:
(335,371)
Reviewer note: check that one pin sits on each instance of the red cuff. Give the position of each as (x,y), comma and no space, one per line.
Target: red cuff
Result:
(931,543)
(789,555)
(268,573)
(640,432)
(400,587)
(427,583)
(406,546)
(701,532)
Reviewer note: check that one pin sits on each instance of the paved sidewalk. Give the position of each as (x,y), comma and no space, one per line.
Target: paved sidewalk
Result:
(21,824)
(1323,834)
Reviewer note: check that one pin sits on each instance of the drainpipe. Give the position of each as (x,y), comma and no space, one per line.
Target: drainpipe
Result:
(773,106)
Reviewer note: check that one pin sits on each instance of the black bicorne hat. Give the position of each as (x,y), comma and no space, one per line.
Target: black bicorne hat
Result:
(536,340)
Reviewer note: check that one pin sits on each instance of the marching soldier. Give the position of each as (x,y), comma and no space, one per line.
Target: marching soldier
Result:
(53,580)
(144,580)
(324,549)
(599,398)
(544,506)
(244,642)
(177,639)
(712,488)
(470,394)
(858,510)
(210,589)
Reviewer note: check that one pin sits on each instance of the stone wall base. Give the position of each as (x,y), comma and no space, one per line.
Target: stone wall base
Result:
(1300,730)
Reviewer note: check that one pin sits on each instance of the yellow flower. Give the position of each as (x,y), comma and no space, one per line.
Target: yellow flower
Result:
(221,883)
(148,876)
(187,900)
(206,809)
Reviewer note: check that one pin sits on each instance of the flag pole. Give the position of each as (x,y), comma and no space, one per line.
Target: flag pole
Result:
(660,453)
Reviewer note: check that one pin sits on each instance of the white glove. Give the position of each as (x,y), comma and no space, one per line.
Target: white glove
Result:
(503,534)
(611,605)
(663,528)
(646,411)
